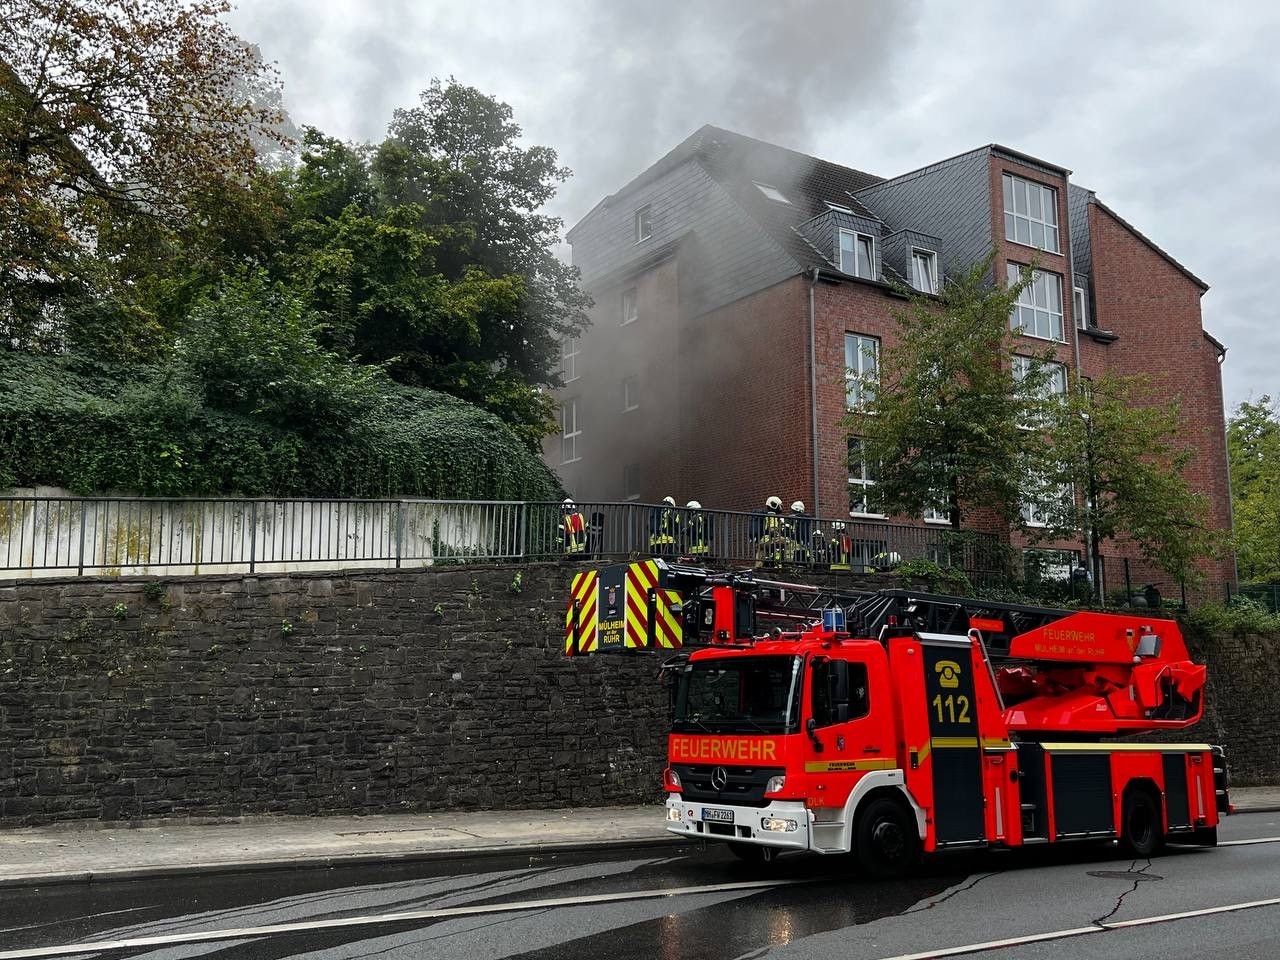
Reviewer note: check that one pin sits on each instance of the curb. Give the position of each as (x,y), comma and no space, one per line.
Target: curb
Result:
(329,862)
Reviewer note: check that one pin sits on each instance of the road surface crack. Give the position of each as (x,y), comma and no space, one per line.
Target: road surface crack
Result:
(947,896)
(1138,877)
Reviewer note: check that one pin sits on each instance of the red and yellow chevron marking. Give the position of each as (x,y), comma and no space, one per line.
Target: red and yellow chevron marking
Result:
(668,633)
(585,588)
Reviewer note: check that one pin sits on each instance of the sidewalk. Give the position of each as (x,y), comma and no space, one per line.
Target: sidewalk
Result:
(71,854)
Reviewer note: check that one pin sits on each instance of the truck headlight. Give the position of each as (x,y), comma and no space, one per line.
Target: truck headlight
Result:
(673,815)
(775,784)
(778,825)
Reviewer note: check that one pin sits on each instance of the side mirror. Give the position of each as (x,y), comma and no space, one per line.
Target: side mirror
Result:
(811,728)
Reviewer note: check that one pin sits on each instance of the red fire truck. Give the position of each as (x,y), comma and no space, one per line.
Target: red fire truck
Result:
(894,723)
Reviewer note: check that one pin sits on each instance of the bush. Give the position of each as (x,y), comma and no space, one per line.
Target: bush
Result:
(151,430)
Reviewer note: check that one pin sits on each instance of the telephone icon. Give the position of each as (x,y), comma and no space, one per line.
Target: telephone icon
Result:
(948,672)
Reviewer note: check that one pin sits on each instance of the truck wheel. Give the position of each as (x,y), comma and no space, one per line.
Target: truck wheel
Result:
(887,842)
(1140,831)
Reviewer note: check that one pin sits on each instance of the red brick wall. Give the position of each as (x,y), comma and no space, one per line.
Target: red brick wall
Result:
(1155,310)
(745,401)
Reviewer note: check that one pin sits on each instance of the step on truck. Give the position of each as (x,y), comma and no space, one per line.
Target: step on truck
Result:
(894,724)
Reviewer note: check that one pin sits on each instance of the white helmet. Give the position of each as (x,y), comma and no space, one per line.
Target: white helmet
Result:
(693,505)
(774,503)
(839,524)
(567,502)
(798,507)
(669,501)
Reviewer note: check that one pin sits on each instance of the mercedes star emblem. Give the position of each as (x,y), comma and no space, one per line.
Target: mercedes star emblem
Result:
(719,778)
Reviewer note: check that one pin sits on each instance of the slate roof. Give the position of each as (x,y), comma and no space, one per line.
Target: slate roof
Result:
(738,162)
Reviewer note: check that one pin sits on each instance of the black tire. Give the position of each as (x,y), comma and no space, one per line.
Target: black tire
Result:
(887,843)
(1141,830)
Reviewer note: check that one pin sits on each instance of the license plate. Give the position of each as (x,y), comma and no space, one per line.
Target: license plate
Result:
(718,816)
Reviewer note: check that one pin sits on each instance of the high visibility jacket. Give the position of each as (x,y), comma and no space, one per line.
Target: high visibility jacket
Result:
(842,552)
(698,534)
(663,525)
(573,532)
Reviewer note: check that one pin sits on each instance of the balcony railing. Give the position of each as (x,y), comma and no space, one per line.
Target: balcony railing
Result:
(119,535)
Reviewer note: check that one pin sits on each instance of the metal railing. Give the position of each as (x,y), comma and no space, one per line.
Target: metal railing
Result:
(114,535)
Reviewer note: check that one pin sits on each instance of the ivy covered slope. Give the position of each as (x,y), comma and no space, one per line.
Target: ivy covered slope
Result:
(161,430)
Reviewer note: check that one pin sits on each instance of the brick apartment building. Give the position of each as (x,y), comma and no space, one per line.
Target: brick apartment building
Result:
(714,269)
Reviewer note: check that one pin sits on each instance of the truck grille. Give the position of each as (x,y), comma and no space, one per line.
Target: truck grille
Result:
(744,786)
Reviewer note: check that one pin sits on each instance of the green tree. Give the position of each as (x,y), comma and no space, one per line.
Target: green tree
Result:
(112,111)
(945,416)
(1116,471)
(1253,446)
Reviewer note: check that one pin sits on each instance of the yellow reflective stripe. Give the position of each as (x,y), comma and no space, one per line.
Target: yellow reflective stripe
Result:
(992,743)
(847,766)
(954,741)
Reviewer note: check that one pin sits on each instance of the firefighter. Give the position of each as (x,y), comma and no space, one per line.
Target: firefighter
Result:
(841,548)
(573,528)
(800,530)
(770,532)
(818,546)
(698,531)
(664,524)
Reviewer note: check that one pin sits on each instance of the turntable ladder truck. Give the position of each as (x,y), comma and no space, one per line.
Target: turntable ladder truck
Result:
(891,724)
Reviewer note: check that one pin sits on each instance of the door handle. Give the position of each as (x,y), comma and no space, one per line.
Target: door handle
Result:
(870,749)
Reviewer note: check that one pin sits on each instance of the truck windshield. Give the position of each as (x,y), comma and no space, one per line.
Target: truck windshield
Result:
(739,695)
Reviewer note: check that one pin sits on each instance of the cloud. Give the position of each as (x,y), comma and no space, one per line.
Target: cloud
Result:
(1167,113)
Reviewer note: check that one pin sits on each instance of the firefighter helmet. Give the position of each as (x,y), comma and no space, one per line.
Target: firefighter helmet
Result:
(567,502)
(669,501)
(693,505)
(798,507)
(773,503)
(839,524)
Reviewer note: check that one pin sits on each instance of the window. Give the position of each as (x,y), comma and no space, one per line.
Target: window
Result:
(839,692)
(644,224)
(1043,503)
(1081,308)
(1055,375)
(857,254)
(924,270)
(1030,213)
(570,433)
(1046,566)
(937,512)
(773,193)
(570,348)
(631,481)
(630,305)
(630,393)
(862,481)
(1038,312)
(861,365)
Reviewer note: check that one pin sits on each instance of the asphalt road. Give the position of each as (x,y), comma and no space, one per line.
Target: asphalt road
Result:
(682,902)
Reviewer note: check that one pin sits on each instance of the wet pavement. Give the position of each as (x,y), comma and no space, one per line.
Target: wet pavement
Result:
(618,904)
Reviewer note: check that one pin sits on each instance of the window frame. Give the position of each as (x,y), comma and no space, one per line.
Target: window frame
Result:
(818,677)
(1031,513)
(1021,364)
(871,253)
(932,257)
(630,393)
(865,482)
(772,193)
(569,438)
(851,382)
(1080,307)
(632,293)
(1013,273)
(643,223)
(1009,185)
(937,515)
(570,350)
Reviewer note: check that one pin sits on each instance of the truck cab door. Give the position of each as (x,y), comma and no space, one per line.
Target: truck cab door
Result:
(848,729)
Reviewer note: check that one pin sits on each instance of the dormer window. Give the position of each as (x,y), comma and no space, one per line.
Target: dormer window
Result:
(773,193)
(644,224)
(924,270)
(858,254)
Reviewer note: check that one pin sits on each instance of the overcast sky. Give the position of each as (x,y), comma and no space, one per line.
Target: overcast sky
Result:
(1167,110)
